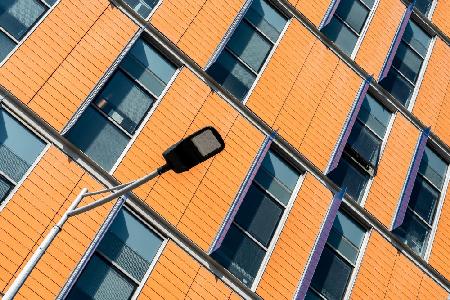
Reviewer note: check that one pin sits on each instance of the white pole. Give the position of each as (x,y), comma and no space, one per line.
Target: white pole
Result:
(23,275)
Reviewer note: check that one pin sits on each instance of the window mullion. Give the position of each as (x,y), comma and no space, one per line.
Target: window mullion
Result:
(259,31)
(422,220)
(117,267)
(241,61)
(347,25)
(3,30)
(250,236)
(129,135)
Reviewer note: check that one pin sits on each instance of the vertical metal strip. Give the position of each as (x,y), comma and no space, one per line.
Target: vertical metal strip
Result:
(396,43)
(319,245)
(242,192)
(90,250)
(409,184)
(348,127)
(330,13)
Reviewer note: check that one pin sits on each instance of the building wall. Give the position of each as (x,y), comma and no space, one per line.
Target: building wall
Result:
(305,94)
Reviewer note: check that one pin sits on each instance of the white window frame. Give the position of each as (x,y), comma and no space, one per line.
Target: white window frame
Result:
(151,12)
(365,29)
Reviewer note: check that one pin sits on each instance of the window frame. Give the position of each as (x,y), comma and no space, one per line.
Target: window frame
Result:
(95,251)
(228,35)
(151,12)
(26,125)
(30,30)
(104,80)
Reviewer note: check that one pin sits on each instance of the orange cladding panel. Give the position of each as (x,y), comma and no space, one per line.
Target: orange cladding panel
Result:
(441,16)
(290,256)
(429,101)
(314,10)
(379,36)
(392,170)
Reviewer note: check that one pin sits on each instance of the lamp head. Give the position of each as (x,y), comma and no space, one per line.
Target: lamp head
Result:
(194,149)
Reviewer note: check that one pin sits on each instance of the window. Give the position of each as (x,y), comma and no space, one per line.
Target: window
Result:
(16,19)
(245,53)
(142,7)
(120,262)
(420,214)
(247,241)
(424,6)
(110,121)
(347,23)
(408,61)
(362,151)
(19,149)
(338,259)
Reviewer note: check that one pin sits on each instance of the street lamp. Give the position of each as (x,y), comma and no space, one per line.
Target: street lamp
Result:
(180,157)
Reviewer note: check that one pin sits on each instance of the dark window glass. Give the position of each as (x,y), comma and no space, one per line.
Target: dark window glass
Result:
(338,259)
(105,128)
(6,46)
(421,211)
(423,6)
(407,63)
(365,143)
(98,138)
(257,219)
(240,255)
(342,36)
(351,176)
(347,23)
(120,261)
(142,7)
(374,115)
(250,46)
(17,16)
(247,50)
(259,215)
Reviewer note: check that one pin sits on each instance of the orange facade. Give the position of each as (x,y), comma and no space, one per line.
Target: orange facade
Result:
(303,97)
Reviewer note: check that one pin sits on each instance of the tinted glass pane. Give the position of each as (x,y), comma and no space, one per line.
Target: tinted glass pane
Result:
(19,147)
(343,245)
(259,215)
(343,37)
(266,18)
(347,175)
(433,167)
(423,6)
(130,244)
(365,143)
(250,46)
(423,199)
(311,295)
(349,228)
(50,2)
(240,255)
(417,38)
(98,138)
(353,13)
(331,275)
(17,16)
(407,62)
(278,177)
(232,75)
(369,3)
(124,101)
(6,46)
(374,115)
(397,86)
(152,59)
(100,281)
(5,188)
(143,7)
(413,233)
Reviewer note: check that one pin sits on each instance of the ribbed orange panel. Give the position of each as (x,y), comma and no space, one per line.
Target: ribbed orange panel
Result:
(29,215)
(314,10)
(305,96)
(196,27)
(442,128)
(379,36)
(277,80)
(441,16)
(290,256)
(392,170)
(48,46)
(429,101)
(329,118)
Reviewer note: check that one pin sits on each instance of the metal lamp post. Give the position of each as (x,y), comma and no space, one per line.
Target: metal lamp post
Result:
(180,157)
